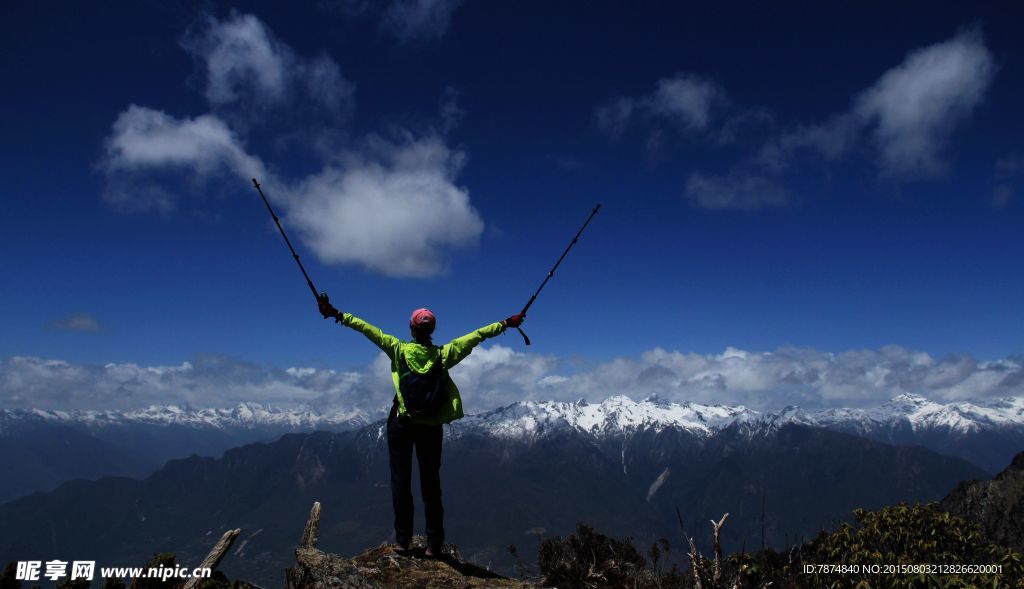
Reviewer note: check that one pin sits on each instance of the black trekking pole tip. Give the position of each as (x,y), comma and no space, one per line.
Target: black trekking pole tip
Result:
(255,183)
(523,333)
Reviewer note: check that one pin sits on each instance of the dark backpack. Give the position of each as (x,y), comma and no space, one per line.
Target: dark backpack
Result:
(423,394)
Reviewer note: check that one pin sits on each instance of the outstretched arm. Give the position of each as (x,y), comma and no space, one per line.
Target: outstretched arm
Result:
(387,343)
(457,349)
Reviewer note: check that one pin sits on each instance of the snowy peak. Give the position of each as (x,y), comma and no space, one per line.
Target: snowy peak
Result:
(967,417)
(613,416)
(920,414)
(909,405)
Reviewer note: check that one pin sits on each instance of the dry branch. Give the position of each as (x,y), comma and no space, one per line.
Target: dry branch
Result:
(312,532)
(718,547)
(215,556)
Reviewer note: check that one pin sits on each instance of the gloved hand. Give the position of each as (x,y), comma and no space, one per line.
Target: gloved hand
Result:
(326,308)
(515,320)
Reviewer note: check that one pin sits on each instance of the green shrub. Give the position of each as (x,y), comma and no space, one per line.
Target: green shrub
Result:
(909,535)
(589,560)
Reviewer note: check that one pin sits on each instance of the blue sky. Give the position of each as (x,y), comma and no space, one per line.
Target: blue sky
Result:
(829,190)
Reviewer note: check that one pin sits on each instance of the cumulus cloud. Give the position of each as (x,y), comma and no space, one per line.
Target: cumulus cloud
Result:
(395,210)
(144,138)
(78,323)
(685,100)
(245,62)
(764,380)
(905,118)
(207,381)
(144,142)
(419,19)
(496,375)
(403,190)
(907,115)
(392,206)
(914,107)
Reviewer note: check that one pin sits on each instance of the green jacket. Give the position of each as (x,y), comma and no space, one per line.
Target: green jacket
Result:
(421,358)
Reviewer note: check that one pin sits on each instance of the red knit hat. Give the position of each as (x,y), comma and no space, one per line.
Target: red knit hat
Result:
(423,319)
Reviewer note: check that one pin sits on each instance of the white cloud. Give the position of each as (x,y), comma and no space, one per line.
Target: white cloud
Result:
(245,63)
(393,207)
(686,100)
(419,19)
(771,380)
(909,112)
(395,210)
(496,375)
(241,57)
(915,106)
(208,381)
(144,138)
(906,117)
(738,190)
(144,142)
(325,84)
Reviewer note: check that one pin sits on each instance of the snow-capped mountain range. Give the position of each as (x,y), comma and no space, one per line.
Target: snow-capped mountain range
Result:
(244,415)
(986,433)
(620,414)
(613,416)
(921,414)
(53,446)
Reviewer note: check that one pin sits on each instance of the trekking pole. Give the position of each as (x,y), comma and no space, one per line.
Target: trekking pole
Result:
(319,297)
(552,272)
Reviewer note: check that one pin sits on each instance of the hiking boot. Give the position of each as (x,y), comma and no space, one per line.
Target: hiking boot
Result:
(433,552)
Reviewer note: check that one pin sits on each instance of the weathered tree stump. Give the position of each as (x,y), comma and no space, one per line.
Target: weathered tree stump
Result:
(216,555)
(312,531)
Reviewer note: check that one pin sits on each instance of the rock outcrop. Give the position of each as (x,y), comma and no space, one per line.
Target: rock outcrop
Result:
(387,567)
(997,505)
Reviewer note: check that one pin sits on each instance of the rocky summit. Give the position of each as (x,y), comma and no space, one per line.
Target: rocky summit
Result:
(388,567)
(385,566)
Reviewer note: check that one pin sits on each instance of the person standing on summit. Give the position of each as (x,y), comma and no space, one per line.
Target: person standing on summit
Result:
(425,399)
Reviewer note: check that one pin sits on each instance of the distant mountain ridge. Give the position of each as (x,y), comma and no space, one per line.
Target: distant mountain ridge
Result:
(613,415)
(136,442)
(42,448)
(620,413)
(241,415)
(536,478)
(986,433)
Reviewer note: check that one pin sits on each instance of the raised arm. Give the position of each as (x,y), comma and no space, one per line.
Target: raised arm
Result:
(457,349)
(387,343)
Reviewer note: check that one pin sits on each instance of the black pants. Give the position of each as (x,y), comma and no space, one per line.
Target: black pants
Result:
(403,434)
